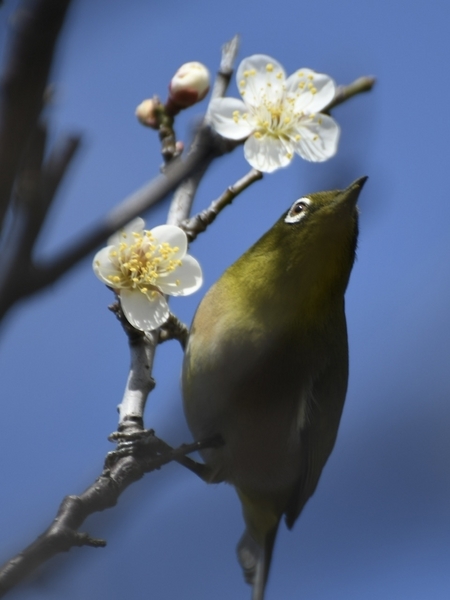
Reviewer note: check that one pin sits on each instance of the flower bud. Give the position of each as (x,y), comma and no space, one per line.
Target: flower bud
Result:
(189,85)
(146,114)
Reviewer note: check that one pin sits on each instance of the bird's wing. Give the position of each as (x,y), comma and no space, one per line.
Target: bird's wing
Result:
(318,432)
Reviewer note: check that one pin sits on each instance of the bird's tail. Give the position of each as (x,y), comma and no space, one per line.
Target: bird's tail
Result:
(255,560)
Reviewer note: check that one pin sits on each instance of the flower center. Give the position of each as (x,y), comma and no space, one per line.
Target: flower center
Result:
(141,263)
(276,119)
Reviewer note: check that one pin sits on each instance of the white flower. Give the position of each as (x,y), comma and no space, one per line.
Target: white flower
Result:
(278,116)
(142,266)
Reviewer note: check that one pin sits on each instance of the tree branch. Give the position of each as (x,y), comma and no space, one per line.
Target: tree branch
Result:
(229,54)
(345,92)
(183,199)
(23,84)
(33,277)
(63,534)
(198,223)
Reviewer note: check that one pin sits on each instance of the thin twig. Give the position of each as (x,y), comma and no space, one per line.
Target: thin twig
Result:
(183,199)
(229,53)
(198,223)
(345,92)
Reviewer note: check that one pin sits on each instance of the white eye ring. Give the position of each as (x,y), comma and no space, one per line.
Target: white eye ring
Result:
(298,210)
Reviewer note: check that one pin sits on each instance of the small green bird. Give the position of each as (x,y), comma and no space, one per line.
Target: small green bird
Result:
(266,366)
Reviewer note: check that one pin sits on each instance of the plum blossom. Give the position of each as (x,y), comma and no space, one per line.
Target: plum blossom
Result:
(142,266)
(278,116)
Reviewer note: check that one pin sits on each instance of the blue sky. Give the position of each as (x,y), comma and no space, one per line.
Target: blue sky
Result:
(379,523)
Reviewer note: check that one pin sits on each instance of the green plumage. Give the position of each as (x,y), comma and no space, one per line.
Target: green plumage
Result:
(266,366)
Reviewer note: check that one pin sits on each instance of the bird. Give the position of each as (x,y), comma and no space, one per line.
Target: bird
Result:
(266,367)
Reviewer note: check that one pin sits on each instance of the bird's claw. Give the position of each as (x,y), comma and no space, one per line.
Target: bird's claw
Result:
(129,443)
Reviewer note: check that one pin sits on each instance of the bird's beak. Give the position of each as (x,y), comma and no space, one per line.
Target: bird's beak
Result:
(354,189)
(350,196)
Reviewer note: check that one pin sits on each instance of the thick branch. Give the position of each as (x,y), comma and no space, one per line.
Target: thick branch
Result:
(140,381)
(23,84)
(44,274)
(63,534)
(139,451)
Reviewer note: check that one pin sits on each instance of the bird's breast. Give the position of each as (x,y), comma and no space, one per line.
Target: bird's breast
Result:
(252,390)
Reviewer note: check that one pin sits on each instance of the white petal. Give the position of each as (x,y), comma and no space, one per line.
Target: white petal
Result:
(143,313)
(312,91)
(230,118)
(123,235)
(174,236)
(103,266)
(260,77)
(188,275)
(319,138)
(267,154)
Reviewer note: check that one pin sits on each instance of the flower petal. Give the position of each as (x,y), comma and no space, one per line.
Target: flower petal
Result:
(172,235)
(124,234)
(184,280)
(142,312)
(268,153)
(260,76)
(312,91)
(103,267)
(230,118)
(319,137)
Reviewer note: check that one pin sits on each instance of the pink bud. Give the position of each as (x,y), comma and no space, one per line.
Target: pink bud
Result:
(189,85)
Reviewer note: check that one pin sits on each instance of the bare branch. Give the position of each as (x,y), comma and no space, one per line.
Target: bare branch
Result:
(198,223)
(57,165)
(345,92)
(229,53)
(33,277)
(140,382)
(23,84)
(62,535)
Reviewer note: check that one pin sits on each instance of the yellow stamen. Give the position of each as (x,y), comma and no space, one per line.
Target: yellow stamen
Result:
(141,263)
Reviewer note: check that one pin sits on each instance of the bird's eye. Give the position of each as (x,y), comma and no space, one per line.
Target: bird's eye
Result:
(297,210)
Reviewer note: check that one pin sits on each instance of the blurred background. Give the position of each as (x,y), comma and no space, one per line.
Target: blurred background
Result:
(379,523)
